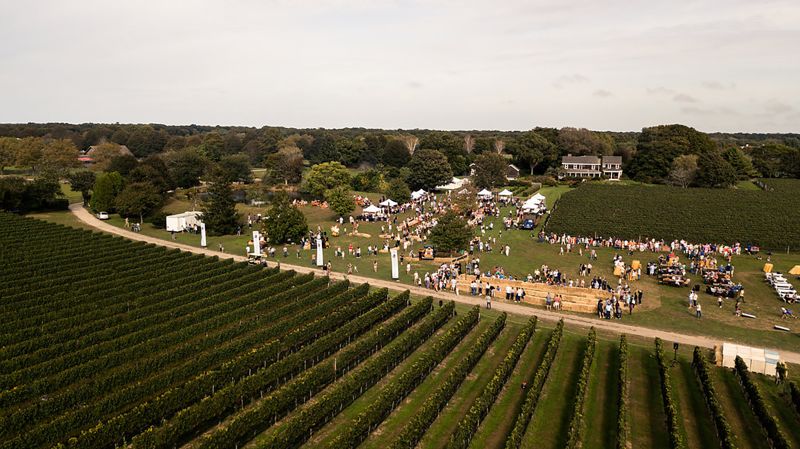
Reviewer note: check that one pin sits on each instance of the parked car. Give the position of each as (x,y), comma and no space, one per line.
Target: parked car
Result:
(528,224)
(102,215)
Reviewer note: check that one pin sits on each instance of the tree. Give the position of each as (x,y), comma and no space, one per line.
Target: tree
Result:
(186,166)
(284,222)
(367,181)
(285,166)
(774,160)
(340,200)
(59,155)
(658,146)
(219,212)
(581,141)
(740,162)
(82,181)
(29,152)
(531,148)
(684,170)
(8,152)
(138,198)
(326,176)
(714,171)
(451,233)
(19,194)
(213,146)
(428,169)
(104,153)
(122,164)
(105,190)
(490,171)
(398,191)
(396,153)
(235,168)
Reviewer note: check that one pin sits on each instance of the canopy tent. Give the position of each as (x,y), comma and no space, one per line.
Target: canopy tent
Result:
(506,192)
(371,209)
(388,203)
(795,270)
(485,193)
(538,197)
(184,221)
(454,184)
(418,194)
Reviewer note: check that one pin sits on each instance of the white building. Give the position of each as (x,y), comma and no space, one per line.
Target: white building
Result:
(592,167)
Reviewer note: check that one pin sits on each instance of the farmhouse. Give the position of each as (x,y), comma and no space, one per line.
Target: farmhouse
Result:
(592,166)
(89,157)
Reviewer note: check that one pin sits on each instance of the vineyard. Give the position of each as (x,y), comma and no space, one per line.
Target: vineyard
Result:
(109,343)
(767,219)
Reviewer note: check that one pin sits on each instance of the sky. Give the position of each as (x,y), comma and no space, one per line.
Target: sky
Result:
(728,66)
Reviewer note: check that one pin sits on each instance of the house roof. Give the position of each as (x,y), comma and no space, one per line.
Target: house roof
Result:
(123,150)
(569,159)
(612,159)
(513,166)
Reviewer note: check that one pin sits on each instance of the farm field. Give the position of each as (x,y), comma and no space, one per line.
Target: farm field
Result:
(768,219)
(107,342)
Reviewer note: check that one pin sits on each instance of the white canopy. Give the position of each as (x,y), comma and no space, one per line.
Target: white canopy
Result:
(454,184)
(506,192)
(538,197)
(485,192)
(372,209)
(388,203)
(418,194)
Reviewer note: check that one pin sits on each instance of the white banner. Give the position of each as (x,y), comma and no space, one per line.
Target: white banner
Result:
(203,235)
(395,263)
(320,262)
(256,243)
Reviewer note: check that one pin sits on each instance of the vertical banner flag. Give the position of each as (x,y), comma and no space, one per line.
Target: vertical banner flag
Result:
(319,252)
(203,235)
(395,264)
(256,243)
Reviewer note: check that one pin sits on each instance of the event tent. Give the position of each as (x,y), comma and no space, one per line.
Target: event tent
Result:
(418,194)
(485,193)
(371,209)
(506,192)
(795,270)
(182,222)
(388,203)
(454,184)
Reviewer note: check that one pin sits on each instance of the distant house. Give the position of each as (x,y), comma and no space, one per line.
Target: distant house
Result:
(89,157)
(512,172)
(592,167)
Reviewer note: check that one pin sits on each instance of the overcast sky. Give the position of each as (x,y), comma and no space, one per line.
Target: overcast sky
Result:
(730,65)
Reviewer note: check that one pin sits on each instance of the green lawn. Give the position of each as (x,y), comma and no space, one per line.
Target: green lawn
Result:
(602,407)
(696,421)
(647,421)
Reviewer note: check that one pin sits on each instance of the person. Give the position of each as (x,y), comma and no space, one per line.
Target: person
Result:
(719,301)
(375,266)
(698,311)
(548,301)
(488,299)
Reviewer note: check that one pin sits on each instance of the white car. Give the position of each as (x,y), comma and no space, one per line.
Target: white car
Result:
(102,215)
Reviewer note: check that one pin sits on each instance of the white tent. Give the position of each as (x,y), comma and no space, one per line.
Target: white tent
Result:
(371,209)
(485,193)
(538,197)
(182,222)
(388,203)
(506,192)
(418,194)
(454,184)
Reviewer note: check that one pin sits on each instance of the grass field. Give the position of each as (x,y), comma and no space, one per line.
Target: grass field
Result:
(218,354)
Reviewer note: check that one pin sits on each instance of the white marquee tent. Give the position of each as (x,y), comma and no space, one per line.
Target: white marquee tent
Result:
(388,203)
(372,209)
(184,221)
(486,194)
(418,194)
(506,192)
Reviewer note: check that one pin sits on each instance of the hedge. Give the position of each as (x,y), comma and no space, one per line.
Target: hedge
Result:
(756,400)
(703,371)
(575,432)
(670,409)
(623,429)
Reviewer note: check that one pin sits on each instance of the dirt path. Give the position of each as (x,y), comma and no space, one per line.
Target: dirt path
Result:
(692,340)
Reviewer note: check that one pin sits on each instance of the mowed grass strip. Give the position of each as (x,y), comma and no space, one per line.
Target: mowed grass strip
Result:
(746,429)
(328,432)
(602,405)
(495,428)
(385,434)
(779,404)
(692,409)
(439,432)
(648,426)
(550,421)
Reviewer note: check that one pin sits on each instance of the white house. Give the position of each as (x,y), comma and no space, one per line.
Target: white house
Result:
(592,166)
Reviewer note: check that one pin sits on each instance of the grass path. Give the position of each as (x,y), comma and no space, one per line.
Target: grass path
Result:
(696,419)
(780,407)
(647,420)
(325,435)
(742,420)
(439,432)
(550,421)
(601,398)
(495,428)
(391,427)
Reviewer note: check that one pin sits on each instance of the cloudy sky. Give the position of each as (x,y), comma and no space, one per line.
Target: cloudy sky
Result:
(511,64)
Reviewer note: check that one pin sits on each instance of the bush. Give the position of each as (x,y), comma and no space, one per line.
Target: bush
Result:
(670,409)
(759,407)
(158,219)
(703,372)
(622,394)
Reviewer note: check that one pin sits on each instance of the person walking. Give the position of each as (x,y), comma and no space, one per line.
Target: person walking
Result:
(488,300)
(698,311)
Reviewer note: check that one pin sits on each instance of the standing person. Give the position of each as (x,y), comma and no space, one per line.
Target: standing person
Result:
(698,311)
(488,299)
(719,301)
(375,266)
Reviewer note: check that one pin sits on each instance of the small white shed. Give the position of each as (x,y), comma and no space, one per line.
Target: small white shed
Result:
(184,221)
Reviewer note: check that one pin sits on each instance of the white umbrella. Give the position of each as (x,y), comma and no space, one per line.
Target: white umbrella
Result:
(506,192)
(388,203)
(372,209)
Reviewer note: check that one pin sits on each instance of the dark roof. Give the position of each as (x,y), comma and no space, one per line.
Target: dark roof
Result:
(580,159)
(612,159)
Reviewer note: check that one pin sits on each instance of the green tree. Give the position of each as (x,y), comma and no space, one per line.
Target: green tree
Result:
(105,190)
(714,171)
(186,166)
(285,166)
(658,146)
(235,168)
(122,164)
(59,156)
(284,222)
(367,181)
(82,181)
(138,199)
(530,149)
(213,146)
(581,141)
(684,170)
(29,152)
(396,153)
(398,191)
(490,171)
(8,152)
(740,162)
(451,233)
(774,160)
(219,211)
(326,176)
(428,169)
(340,200)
